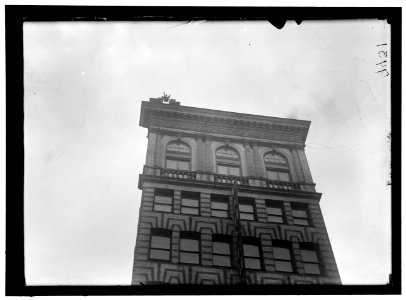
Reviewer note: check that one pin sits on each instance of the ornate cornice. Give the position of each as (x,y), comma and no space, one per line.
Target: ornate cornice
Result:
(233,139)
(212,121)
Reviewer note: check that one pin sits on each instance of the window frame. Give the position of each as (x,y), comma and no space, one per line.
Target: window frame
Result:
(295,206)
(190,196)
(247,201)
(162,233)
(275,204)
(253,242)
(287,245)
(225,239)
(228,162)
(177,162)
(220,199)
(278,174)
(313,247)
(190,235)
(163,192)
(178,156)
(277,167)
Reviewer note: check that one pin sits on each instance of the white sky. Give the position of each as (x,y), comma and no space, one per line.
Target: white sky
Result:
(84,83)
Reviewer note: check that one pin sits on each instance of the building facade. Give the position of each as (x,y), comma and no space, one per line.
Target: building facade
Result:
(228,198)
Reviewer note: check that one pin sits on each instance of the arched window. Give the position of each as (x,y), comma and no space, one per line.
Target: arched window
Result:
(178,156)
(228,161)
(277,167)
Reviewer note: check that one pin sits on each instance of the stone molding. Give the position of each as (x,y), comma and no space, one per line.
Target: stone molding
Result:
(210,121)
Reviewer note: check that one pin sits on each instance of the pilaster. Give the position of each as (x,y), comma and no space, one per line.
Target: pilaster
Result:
(200,154)
(208,155)
(159,150)
(249,159)
(150,159)
(257,161)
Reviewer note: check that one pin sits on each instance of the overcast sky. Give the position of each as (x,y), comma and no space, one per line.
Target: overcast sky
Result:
(84,149)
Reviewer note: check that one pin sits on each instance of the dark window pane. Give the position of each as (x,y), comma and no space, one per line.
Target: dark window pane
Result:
(246,208)
(309,256)
(251,250)
(220,260)
(163,199)
(300,222)
(281,253)
(252,263)
(274,219)
(190,258)
(189,211)
(221,248)
(299,213)
(311,268)
(183,165)
(161,207)
(284,176)
(161,242)
(283,266)
(190,202)
(235,171)
(159,254)
(189,245)
(219,205)
(274,211)
(219,213)
(244,216)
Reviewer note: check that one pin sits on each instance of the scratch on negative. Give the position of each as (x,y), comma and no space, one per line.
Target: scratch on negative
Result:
(369,88)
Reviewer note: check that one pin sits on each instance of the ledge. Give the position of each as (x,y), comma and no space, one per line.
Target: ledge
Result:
(209,179)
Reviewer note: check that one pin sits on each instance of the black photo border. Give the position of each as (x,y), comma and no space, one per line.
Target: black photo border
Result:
(16,15)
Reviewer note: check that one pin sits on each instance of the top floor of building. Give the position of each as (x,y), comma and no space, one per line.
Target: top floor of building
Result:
(225,146)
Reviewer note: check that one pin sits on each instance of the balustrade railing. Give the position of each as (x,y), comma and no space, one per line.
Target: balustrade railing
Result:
(226,179)
(231,179)
(178,174)
(289,186)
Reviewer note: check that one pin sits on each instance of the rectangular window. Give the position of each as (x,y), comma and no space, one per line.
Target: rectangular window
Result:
(300,214)
(163,200)
(160,244)
(274,211)
(177,164)
(284,176)
(247,208)
(228,170)
(278,175)
(222,170)
(190,203)
(189,247)
(272,175)
(235,171)
(252,253)
(184,165)
(219,206)
(222,250)
(310,258)
(282,254)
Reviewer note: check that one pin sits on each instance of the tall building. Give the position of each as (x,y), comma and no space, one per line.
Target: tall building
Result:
(228,198)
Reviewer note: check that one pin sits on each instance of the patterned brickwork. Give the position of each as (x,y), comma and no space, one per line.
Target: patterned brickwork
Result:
(208,226)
